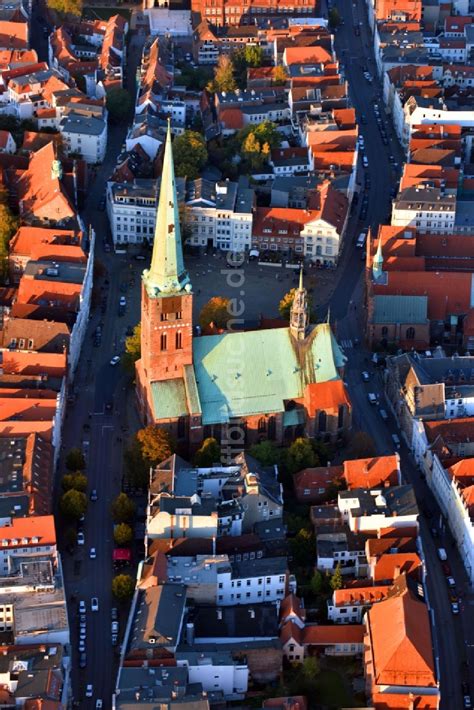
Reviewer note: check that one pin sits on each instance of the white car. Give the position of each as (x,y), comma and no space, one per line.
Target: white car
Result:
(94,604)
(455,608)
(98,703)
(82,634)
(372,398)
(80,538)
(365,162)
(451,582)
(89,690)
(92,553)
(365,376)
(123,301)
(115,360)
(82,607)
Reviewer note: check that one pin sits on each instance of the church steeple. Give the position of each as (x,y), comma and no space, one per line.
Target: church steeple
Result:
(377,265)
(299,312)
(167,273)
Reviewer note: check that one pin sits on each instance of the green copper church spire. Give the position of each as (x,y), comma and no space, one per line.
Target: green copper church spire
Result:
(167,273)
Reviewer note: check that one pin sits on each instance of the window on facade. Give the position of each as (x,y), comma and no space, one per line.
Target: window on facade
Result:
(163,316)
(410,333)
(340,416)
(271,430)
(163,340)
(181,427)
(322,421)
(179,343)
(262,425)
(384,331)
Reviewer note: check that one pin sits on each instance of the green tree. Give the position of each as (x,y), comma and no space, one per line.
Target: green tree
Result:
(156,444)
(119,104)
(316,583)
(138,471)
(66,7)
(190,154)
(302,548)
(74,481)
(123,534)
(224,79)
(253,55)
(123,509)
(123,586)
(334,18)
(208,454)
(300,455)
(265,132)
(8,226)
(361,446)
(216,312)
(310,668)
(266,453)
(252,151)
(75,460)
(280,75)
(284,307)
(132,349)
(336,578)
(73,504)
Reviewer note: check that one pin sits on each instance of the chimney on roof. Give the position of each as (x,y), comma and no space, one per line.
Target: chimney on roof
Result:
(396,572)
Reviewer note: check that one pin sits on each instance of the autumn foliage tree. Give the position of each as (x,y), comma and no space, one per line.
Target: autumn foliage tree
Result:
(66,7)
(208,454)
(123,534)
(215,312)
(73,504)
(8,226)
(132,349)
(224,79)
(156,444)
(190,154)
(280,75)
(123,509)
(123,586)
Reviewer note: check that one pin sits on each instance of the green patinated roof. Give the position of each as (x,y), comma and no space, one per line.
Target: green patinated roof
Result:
(191,390)
(400,309)
(240,374)
(167,273)
(293,417)
(169,399)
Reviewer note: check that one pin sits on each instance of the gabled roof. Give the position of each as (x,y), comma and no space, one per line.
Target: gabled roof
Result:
(389,566)
(327,396)
(400,639)
(372,472)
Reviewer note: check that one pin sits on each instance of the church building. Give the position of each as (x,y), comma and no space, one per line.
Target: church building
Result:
(266,384)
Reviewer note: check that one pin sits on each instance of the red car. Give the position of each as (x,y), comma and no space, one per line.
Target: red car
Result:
(446,569)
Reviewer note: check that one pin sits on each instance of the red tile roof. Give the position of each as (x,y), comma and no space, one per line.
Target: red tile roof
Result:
(372,472)
(389,566)
(360,595)
(400,639)
(231,118)
(306,55)
(313,480)
(315,635)
(327,396)
(34,526)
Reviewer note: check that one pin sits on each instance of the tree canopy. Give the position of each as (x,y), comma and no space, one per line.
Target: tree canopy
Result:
(224,79)
(280,75)
(256,143)
(208,454)
(336,578)
(75,460)
(266,453)
(300,455)
(123,534)
(253,55)
(73,504)
(119,104)
(190,154)
(8,226)
(132,349)
(216,312)
(156,444)
(66,7)
(123,586)
(74,481)
(123,509)
(334,18)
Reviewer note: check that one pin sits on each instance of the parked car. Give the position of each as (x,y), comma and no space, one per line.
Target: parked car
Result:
(372,398)
(114,639)
(383,414)
(82,607)
(123,301)
(115,360)
(396,441)
(93,495)
(81,647)
(80,538)
(114,613)
(446,568)
(93,553)
(98,704)
(115,627)
(451,581)
(94,604)
(467,702)
(455,608)
(82,660)
(365,376)
(89,690)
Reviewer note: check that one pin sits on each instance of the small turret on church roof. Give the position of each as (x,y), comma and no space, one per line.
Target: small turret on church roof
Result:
(377,264)
(167,273)
(299,319)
